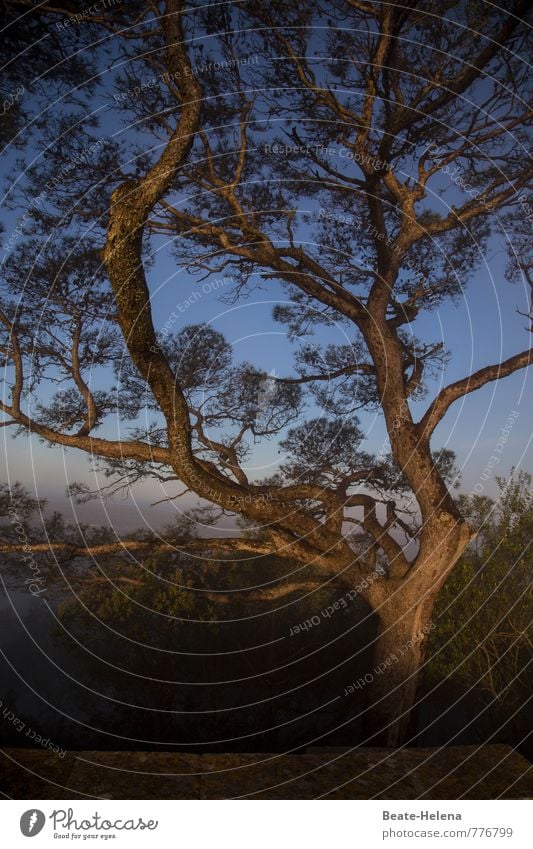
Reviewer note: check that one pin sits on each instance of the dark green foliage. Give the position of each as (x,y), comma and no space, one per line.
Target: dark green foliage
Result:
(484,611)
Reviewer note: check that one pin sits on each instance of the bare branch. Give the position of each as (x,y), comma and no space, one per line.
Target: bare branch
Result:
(451,393)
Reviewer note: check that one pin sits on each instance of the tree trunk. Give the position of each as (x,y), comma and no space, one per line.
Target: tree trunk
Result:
(405,609)
(392,682)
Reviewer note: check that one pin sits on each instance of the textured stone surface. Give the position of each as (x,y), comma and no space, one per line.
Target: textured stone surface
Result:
(471,772)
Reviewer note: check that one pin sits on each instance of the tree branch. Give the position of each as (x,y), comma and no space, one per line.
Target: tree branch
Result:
(219,544)
(451,393)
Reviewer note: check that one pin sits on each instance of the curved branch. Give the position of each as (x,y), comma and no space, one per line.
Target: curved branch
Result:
(456,390)
(91,417)
(131,205)
(398,565)
(270,594)
(141,451)
(359,368)
(222,544)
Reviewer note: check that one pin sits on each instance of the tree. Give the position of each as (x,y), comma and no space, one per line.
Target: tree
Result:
(268,164)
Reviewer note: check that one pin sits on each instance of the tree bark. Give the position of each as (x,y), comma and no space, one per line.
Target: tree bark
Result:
(392,683)
(405,611)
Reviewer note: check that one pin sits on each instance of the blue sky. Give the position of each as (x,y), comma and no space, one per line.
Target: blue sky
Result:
(482,328)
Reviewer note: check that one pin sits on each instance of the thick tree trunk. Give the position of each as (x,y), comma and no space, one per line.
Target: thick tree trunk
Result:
(405,610)
(391,684)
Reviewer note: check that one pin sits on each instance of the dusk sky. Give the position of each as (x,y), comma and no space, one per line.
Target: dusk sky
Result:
(482,328)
